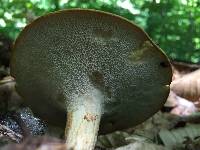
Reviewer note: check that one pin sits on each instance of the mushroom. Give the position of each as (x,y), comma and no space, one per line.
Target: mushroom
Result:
(98,70)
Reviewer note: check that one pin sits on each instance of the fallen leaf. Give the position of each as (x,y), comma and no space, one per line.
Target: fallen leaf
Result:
(142,146)
(188,86)
(112,140)
(178,136)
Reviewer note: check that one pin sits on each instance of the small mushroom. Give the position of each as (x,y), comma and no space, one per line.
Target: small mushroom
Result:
(98,70)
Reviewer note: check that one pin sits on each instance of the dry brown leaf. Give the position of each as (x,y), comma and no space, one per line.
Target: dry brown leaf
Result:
(172,138)
(142,146)
(112,140)
(188,86)
(9,98)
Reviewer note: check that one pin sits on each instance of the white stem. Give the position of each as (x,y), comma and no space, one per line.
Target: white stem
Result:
(83,121)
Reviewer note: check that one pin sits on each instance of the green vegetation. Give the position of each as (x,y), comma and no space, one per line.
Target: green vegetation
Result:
(173,24)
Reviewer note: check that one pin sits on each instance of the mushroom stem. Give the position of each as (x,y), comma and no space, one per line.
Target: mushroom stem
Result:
(83,121)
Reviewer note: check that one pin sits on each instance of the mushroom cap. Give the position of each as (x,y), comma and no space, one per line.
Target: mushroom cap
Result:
(64,54)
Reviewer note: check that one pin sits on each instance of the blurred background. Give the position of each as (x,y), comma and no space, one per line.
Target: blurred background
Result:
(173,24)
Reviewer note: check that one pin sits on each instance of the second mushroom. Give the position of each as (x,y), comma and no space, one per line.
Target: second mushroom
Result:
(96,70)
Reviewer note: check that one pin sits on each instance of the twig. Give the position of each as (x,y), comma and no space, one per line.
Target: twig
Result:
(6,132)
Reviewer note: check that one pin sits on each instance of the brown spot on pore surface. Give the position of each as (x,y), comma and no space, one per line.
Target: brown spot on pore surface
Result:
(103,33)
(97,79)
(90,117)
(164,64)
